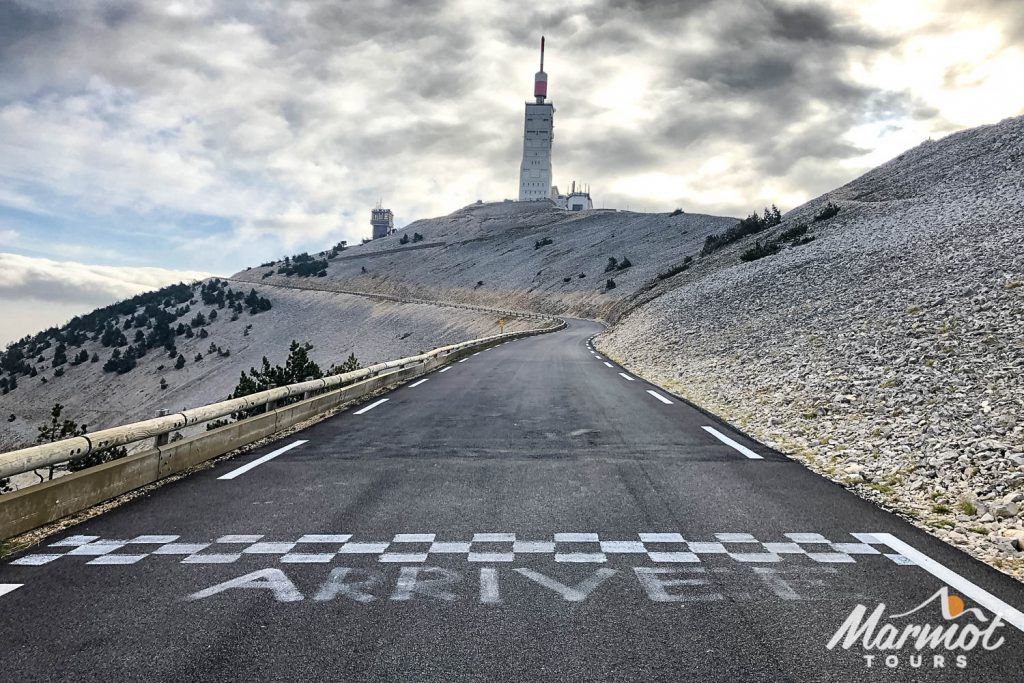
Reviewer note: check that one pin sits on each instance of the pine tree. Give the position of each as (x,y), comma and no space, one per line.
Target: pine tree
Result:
(180,363)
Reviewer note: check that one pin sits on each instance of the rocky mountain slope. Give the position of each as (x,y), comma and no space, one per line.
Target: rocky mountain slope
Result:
(528,256)
(887,353)
(215,351)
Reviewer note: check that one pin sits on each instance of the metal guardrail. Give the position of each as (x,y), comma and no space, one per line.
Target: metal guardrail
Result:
(43,455)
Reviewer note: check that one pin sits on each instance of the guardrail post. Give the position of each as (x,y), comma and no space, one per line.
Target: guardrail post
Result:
(161,439)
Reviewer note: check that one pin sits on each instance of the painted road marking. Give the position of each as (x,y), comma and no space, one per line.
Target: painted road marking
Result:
(598,357)
(259,461)
(625,376)
(371,406)
(477,353)
(732,444)
(445,368)
(462,361)
(416,384)
(660,547)
(658,396)
(609,364)
(1009,614)
(6,588)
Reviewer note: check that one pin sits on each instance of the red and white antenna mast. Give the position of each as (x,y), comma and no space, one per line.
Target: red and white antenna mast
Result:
(540,80)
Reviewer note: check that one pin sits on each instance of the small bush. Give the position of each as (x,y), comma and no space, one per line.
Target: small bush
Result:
(610,284)
(829,211)
(675,270)
(613,263)
(623,264)
(759,251)
(416,237)
(543,243)
(793,233)
(404,240)
(566,279)
(677,212)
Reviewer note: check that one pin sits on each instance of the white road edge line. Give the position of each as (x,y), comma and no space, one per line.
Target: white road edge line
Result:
(1009,614)
(729,442)
(658,396)
(609,364)
(416,384)
(6,588)
(259,461)
(445,369)
(625,376)
(370,407)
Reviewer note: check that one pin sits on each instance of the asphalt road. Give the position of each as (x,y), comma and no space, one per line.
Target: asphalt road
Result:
(528,514)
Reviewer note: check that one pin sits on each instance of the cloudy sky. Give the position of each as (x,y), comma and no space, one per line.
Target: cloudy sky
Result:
(142,142)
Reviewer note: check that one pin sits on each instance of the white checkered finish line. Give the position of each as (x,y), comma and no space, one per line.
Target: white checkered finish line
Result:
(490,548)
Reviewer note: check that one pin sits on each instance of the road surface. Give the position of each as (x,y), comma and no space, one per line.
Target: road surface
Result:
(531,513)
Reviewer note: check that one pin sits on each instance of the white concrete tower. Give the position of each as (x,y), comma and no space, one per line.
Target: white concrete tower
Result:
(538,134)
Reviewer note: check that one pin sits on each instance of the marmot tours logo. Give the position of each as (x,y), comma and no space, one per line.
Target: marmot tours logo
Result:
(901,639)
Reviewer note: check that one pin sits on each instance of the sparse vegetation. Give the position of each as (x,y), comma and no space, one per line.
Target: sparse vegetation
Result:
(610,284)
(677,212)
(675,270)
(543,243)
(416,237)
(760,250)
(750,225)
(827,212)
(612,264)
(303,265)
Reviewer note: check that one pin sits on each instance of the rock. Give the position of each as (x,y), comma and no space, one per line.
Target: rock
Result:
(1014,497)
(1005,510)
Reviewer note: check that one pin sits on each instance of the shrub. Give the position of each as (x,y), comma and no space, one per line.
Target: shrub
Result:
(404,240)
(759,251)
(543,243)
(677,212)
(827,212)
(566,279)
(416,237)
(750,225)
(180,363)
(163,383)
(623,264)
(675,270)
(610,284)
(793,233)
(612,264)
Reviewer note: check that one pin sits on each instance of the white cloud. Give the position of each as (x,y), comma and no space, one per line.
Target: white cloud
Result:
(36,292)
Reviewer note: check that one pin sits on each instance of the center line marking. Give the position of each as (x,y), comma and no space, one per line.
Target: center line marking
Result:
(625,376)
(658,396)
(259,461)
(371,406)
(416,384)
(981,596)
(609,364)
(6,588)
(732,444)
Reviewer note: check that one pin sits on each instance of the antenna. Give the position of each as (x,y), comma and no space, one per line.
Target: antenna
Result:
(542,53)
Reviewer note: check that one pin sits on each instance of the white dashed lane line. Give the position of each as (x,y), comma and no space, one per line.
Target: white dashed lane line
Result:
(626,377)
(609,364)
(658,396)
(445,369)
(732,444)
(371,406)
(462,361)
(416,384)
(6,588)
(259,461)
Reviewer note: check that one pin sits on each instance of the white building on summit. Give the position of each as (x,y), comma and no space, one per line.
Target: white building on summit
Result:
(538,133)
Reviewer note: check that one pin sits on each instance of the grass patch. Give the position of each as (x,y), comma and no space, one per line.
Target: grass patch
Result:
(941,509)
(968,508)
